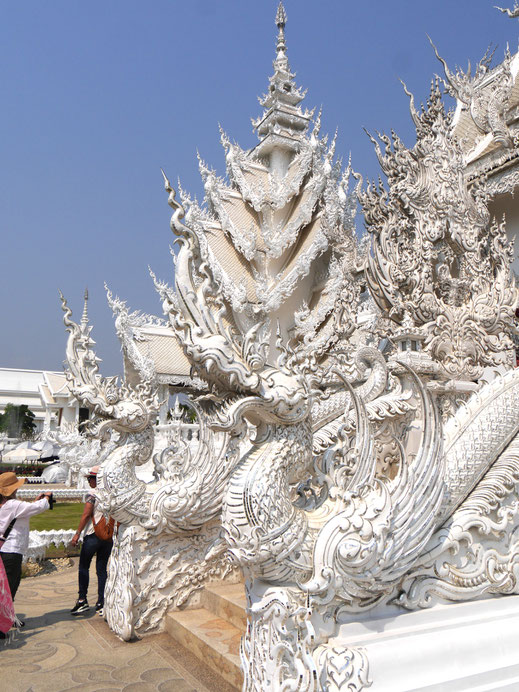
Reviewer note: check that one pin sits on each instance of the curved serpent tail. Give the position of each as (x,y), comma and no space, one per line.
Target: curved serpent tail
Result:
(262,526)
(476,436)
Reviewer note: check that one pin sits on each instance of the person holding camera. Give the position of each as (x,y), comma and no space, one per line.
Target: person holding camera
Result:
(14,526)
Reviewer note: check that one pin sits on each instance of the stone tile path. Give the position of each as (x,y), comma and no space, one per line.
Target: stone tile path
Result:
(58,652)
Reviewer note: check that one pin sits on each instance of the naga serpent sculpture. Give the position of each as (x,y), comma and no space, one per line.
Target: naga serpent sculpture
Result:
(300,388)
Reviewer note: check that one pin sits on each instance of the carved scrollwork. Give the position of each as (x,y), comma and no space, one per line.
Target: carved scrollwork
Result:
(435,255)
(277,650)
(476,552)
(343,668)
(484,95)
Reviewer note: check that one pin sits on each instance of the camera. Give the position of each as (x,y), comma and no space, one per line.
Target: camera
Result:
(50,498)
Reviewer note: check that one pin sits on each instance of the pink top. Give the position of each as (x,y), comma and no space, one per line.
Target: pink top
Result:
(6,602)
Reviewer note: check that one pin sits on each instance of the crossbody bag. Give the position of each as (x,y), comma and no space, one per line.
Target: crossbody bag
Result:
(104,529)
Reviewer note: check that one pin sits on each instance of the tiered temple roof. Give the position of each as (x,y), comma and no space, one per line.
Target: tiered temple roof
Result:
(264,231)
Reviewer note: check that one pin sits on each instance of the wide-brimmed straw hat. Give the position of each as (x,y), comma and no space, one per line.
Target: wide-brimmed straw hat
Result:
(92,472)
(9,483)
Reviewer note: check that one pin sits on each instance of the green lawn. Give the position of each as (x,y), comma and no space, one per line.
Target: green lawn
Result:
(64,515)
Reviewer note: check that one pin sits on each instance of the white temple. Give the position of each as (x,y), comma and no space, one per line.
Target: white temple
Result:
(45,392)
(357,464)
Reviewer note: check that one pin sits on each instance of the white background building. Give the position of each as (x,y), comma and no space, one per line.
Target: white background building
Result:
(46,393)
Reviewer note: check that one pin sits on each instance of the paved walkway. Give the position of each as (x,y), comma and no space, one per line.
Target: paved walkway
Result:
(58,652)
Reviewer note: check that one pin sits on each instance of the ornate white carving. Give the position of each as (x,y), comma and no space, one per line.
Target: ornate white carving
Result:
(150,573)
(447,267)
(60,494)
(485,95)
(342,668)
(282,650)
(477,551)
(502,183)
(78,452)
(323,469)
(128,328)
(277,650)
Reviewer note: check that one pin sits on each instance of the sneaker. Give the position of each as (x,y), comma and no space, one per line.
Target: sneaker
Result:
(80,607)
(99,608)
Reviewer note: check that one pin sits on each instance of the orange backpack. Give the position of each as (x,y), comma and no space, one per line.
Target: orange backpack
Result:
(104,529)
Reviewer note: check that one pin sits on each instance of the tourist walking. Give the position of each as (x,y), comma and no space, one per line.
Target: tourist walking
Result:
(95,542)
(14,527)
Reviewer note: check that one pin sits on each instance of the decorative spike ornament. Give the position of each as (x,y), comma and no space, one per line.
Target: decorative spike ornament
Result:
(281,47)
(513,13)
(84,317)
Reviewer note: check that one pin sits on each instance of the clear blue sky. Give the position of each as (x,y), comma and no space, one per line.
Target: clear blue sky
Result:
(97,96)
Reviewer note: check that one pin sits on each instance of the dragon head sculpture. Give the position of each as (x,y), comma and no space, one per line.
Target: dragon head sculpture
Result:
(119,407)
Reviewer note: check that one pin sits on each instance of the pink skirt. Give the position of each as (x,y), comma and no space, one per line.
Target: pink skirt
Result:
(7,614)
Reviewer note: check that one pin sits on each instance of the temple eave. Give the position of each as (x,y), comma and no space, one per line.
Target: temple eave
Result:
(273,141)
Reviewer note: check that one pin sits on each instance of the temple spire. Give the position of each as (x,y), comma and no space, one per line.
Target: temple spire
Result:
(84,317)
(282,123)
(281,20)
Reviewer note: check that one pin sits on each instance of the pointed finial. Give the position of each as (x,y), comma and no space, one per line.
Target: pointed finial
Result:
(84,317)
(167,184)
(281,16)
(283,95)
(281,20)
(224,139)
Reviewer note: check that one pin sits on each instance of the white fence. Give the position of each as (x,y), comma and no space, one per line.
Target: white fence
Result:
(39,541)
(60,494)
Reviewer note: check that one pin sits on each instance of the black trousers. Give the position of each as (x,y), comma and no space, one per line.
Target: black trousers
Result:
(13,569)
(92,545)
